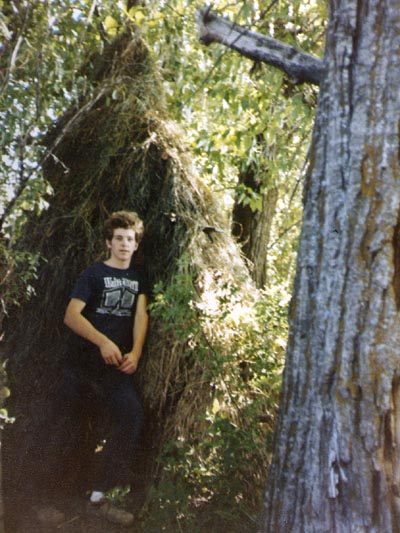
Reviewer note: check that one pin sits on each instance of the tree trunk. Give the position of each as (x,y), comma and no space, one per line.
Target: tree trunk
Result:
(253,228)
(336,464)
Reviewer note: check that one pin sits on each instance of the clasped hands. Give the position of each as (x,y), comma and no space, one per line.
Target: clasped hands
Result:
(112,355)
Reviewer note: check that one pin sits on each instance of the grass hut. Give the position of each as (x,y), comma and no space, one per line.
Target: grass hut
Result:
(116,150)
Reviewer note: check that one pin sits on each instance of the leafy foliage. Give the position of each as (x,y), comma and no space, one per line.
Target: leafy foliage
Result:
(211,479)
(234,115)
(225,103)
(17,271)
(40,78)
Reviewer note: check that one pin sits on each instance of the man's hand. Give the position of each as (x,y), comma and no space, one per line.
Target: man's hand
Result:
(111,353)
(75,320)
(129,363)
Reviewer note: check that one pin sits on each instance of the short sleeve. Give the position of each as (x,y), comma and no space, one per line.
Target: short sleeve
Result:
(83,288)
(144,285)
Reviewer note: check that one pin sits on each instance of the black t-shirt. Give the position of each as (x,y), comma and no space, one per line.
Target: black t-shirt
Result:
(111,297)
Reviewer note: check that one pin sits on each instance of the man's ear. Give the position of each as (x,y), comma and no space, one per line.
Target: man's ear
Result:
(108,244)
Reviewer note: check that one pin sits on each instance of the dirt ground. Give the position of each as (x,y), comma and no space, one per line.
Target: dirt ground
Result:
(77,520)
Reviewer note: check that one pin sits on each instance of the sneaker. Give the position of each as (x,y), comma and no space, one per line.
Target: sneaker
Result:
(97,496)
(111,513)
(49,515)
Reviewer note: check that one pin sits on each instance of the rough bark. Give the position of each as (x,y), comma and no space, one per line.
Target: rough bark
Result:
(299,66)
(336,465)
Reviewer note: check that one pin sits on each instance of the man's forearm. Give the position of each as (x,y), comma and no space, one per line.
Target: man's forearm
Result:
(82,327)
(139,331)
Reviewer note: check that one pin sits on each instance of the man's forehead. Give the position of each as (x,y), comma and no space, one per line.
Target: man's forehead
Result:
(124,232)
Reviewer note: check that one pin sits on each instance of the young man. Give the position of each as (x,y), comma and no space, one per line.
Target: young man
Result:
(108,314)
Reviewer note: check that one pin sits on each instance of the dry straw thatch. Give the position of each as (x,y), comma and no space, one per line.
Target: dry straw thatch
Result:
(119,150)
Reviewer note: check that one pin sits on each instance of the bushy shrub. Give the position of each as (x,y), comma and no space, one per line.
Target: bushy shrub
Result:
(217,474)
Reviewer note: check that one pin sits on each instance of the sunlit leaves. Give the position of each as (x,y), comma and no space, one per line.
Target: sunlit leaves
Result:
(238,343)
(111,25)
(237,114)
(40,64)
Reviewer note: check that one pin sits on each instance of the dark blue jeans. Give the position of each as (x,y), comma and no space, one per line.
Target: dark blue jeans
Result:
(123,412)
(89,384)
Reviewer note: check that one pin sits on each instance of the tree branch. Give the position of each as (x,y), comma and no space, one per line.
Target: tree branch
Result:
(299,66)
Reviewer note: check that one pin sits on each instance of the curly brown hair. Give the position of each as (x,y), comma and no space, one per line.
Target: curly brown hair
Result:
(125,220)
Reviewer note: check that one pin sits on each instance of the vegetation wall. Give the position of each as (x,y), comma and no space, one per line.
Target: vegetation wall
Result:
(205,378)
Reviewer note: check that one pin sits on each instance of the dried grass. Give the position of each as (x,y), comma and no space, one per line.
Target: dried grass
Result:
(119,150)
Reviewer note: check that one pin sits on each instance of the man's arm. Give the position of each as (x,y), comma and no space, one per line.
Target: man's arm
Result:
(140,325)
(81,326)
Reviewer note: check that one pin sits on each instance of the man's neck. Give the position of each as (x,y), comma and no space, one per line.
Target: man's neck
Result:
(115,263)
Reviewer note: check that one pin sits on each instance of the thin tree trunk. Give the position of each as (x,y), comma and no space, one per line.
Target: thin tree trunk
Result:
(336,459)
(262,235)
(253,228)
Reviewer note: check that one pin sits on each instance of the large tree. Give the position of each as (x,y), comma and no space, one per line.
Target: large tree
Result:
(336,464)
(336,460)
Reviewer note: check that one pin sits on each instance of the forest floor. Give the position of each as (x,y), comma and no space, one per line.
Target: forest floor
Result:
(22,518)
(77,520)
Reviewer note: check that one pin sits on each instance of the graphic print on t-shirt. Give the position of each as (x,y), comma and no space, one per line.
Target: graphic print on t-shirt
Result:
(118,296)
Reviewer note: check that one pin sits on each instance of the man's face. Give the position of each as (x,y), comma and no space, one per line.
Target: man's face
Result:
(123,244)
